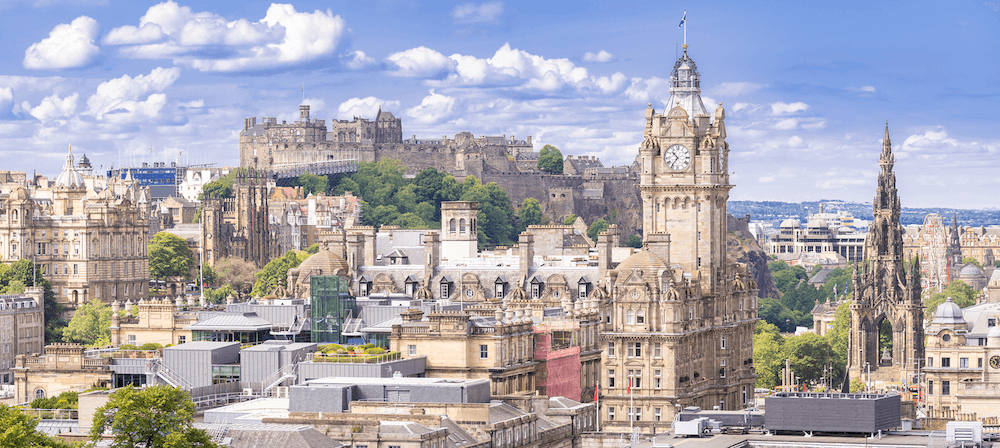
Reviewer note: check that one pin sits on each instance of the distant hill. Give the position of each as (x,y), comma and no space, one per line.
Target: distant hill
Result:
(777,211)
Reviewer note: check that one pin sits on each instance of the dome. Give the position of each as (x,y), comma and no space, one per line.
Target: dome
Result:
(818,223)
(792,223)
(69,177)
(644,261)
(970,270)
(323,262)
(948,313)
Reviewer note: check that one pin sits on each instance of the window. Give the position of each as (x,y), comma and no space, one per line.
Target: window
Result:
(723,342)
(181,339)
(611,349)
(945,362)
(39,393)
(629,317)
(611,413)
(930,388)
(360,446)
(484,351)
(444,290)
(656,350)
(963,363)
(412,350)
(583,291)
(536,290)
(930,362)
(946,388)
(499,290)
(75,270)
(980,363)
(635,376)
(634,349)
(656,378)
(131,339)
(611,378)
(656,414)
(635,413)
(640,317)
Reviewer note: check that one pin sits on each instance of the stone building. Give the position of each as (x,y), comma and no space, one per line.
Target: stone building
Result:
(818,237)
(157,321)
(60,368)
(886,291)
(239,226)
(939,248)
(88,235)
(678,328)
(22,328)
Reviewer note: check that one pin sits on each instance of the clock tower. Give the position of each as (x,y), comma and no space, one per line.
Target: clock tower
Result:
(684,183)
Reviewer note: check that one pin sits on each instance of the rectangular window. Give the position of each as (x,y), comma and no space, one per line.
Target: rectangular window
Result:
(131,339)
(930,388)
(963,363)
(484,351)
(75,270)
(640,317)
(611,349)
(946,388)
(412,350)
(656,414)
(536,291)
(611,413)
(629,317)
(583,291)
(930,362)
(636,377)
(611,378)
(635,349)
(499,290)
(945,362)
(656,350)
(980,363)
(656,378)
(181,339)
(444,290)
(723,342)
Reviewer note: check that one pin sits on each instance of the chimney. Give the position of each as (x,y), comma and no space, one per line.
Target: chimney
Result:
(432,253)
(604,250)
(526,246)
(659,245)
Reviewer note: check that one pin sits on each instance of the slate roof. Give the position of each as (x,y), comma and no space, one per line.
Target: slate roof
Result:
(233,322)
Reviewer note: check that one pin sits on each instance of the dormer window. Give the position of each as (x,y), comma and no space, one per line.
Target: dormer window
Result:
(500,287)
(445,287)
(536,288)
(410,286)
(583,287)
(364,286)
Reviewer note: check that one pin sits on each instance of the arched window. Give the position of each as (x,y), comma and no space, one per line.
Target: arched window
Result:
(39,393)
(452,225)
(461,225)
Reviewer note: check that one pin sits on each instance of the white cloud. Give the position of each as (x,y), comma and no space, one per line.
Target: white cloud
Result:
(736,88)
(53,107)
(600,56)
(139,96)
(473,13)
(419,62)
(432,109)
(68,46)
(796,142)
(283,38)
(358,60)
(788,108)
(868,89)
(649,90)
(786,124)
(928,141)
(363,107)
(6,99)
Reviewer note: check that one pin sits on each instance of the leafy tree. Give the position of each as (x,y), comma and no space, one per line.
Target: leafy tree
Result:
(409,221)
(18,429)
(496,215)
(530,213)
(596,228)
(958,290)
(14,278)
(218,295)
(634,241)
(169,256)
(313,248)
(972,260)
(157,416)
(208,274)
(451,190)
(550,160)
(275,273)
(569,220)
(236,273)
(90,325)
(219,188)
(768,354)
(312,183)
(807,354)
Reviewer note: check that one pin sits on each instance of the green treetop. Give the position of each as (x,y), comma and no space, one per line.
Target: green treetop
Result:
(153,417)
(550,160)
(169,256)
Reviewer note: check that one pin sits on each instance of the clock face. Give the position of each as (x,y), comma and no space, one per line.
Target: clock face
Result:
(677,157)
(469,293)
(555,294)
(995,362)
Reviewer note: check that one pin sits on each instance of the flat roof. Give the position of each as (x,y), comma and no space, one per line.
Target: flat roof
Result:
(202,345)
(342,380)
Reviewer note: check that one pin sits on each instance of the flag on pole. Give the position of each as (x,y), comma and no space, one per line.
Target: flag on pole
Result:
(683,19)
(629,385)
(596,388)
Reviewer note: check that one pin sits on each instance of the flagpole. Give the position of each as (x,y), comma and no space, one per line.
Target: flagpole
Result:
(631,408)
(597,399)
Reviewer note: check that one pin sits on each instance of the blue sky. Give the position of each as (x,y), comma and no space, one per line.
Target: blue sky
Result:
(807,85)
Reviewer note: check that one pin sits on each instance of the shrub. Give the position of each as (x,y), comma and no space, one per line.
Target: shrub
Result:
(150,346)
(341,352)
(350,348)
(128,347)
(368,346)
(374,351)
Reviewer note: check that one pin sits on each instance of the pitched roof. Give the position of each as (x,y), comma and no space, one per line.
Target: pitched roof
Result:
(232,322)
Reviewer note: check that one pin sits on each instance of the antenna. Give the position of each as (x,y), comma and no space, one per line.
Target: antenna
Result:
(303,93)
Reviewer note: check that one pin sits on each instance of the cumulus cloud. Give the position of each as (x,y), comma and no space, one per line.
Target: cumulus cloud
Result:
(780,108)
(600,56)
(53,107)
(137,97)
(786,124)
(358,60)
(508,67)
(419,62)
(6,99)
(208,42)
(931,140)
(868,89)
(736,88)
(648,90)
(432,109)
(363,107)
(69,45)
(472,13)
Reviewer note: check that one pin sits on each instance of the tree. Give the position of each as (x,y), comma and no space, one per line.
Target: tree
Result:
(14,278)
(530,213)
(569,220)
(634,241)
(958,290)
(90,325)
(157,416)
(807,354)
(236,273)
(312,183)
(972,260)
(313,248)
(219,188)
(275,273)
(17,430)
(596,228)
(169,256)
(768,354)
(550,160)
(409,221)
